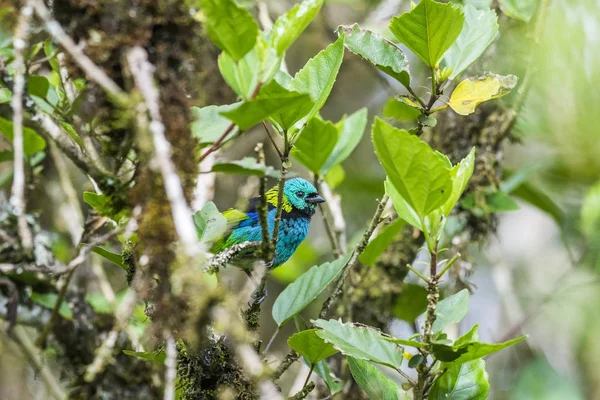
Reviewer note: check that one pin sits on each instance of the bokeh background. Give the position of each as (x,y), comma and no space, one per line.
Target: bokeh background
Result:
(534,272)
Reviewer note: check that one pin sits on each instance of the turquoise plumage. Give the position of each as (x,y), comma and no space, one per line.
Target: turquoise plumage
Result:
(300,199)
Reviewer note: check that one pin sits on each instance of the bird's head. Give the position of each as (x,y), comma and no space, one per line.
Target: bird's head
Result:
(299,194)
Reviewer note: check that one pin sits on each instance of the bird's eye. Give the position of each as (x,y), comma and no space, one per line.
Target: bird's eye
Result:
(300,193)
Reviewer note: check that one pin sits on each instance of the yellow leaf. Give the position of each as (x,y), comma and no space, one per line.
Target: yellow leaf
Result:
(472,91)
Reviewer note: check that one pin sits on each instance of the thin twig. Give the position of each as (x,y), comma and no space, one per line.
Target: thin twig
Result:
(69,271)
(279,212)
(104,352)
(334,203)
(34,356)
(304,392)
(448,265)
(93,72)
(171,366)
(353,259)
(142,72)
(17,199)
(267,248)
(272,140)
(226,256)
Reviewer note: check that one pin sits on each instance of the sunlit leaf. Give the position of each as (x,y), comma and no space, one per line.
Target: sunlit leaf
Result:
(284,106)
(400,111)
(451,310)
(380,52)
(32,142)
(360,342)
(350,131)
(231,27)
(519,9)
(309,345)
(290,25)
(429,29)
(420,176)
(467,381)
(479,31)
(210,223)
(318,75)
(305,289)
(404,210)
(370,379)
(242,75)
(209,125)
(499,202)
(5,95)
(460,173)
(315,144)
(472,91)
(110,256)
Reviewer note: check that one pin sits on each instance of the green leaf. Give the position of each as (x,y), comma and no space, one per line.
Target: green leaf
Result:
(99,303)
(97,201)
(158,356)
(420,176)
(290,25)
(375,384)
(315,144)
(451,310)
(590,212)
(242,75)
(499,202)
(416,360)
(284,106)
(5,95)
(210,223)
(467,381)
(350,132)
(110,256)
(377,245)
(400,111)
(519,9)
(334,383)
(309,345)
(472,91)
(305,289)
(410,302)
(404,210)
(479,31)
(429,29)
(48,300)
(318,75)
(360,342)
(246,166)
(42,93)
(321,368)
(380,52)
(474,350)
(460,173)
(231,27)
(405,342)
(32,142)
(209,125)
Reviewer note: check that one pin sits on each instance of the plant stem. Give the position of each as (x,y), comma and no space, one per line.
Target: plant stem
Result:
(267,249)
(271,341)
(353,260)
(312,368)
(424,377)
(447,266)
(420,275)
(328,226)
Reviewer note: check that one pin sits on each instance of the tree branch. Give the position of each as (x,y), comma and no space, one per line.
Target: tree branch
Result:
(182,216)
(17,199)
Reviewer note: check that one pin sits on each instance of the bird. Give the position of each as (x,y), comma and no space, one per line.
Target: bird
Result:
(300,200)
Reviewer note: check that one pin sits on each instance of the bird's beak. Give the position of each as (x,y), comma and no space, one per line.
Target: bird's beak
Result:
(315,199)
